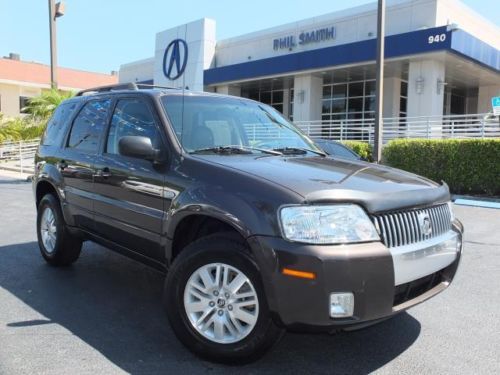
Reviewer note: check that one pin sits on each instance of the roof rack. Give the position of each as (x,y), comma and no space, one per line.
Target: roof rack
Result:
(122,86)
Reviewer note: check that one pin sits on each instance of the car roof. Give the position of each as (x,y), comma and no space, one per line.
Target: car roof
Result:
(140,89)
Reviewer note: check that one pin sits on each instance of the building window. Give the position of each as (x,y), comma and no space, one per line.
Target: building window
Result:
(23,102)
(274,98)
(403,100)
(345,100)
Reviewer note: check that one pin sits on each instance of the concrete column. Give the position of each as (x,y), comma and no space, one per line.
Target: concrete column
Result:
(229,90)
(307,101)
(392,94)
(286,103)
(425,96)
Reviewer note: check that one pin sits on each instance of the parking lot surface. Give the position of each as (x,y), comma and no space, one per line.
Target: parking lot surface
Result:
(103,315)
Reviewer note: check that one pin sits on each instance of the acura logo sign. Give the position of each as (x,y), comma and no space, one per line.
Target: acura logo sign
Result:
(175,59)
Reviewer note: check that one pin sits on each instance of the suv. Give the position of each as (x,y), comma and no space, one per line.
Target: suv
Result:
(256,228)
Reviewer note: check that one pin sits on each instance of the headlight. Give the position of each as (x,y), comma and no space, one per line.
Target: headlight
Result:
(450,207)
(327,224)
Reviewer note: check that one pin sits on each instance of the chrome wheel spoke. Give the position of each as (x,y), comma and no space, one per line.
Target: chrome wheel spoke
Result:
(214,307)
(48,230)
(245,316)
(237,283)
(219,328)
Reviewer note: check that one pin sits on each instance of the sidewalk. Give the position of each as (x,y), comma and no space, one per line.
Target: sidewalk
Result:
(14,175)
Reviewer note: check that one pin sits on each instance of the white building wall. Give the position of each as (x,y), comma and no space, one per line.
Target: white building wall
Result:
(200,38)
(137,71)
(352,25)
(484,98)
(229,90)
(9,97)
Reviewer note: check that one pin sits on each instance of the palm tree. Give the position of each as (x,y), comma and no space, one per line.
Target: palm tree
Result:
(41,107)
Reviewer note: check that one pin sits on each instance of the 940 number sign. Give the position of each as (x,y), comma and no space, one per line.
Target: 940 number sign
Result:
(438,38)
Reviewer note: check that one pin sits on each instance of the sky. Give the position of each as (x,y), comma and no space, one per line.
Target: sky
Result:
(100,35)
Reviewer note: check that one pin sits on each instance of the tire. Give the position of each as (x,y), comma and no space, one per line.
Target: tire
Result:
(57,246)
(251,340)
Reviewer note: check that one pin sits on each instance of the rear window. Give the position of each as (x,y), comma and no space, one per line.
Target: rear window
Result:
(58,124)
(89,125)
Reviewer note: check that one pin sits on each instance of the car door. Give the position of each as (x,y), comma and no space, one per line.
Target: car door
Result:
(129,204)
(76,162)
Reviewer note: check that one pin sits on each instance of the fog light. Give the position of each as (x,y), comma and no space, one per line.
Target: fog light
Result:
(341,305)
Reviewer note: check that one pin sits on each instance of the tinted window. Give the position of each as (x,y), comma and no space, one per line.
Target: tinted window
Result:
(57,125)
(131,117)
(89,125)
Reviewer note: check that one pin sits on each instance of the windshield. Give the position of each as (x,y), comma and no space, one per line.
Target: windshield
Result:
(208,123)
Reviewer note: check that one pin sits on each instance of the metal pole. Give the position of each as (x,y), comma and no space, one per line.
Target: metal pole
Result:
(53,44)
(379,123)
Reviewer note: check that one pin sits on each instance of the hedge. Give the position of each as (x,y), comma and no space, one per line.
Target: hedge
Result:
(468,166)
(363,149)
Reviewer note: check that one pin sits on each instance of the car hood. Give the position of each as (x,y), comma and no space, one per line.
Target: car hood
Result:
(327,179)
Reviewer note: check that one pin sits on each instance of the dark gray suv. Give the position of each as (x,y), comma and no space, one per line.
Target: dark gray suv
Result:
(256,228)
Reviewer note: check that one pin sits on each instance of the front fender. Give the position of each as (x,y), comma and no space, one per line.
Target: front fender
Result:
(248,217)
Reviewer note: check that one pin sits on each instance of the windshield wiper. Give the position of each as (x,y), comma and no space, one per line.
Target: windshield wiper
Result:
(234,150)
(297,151)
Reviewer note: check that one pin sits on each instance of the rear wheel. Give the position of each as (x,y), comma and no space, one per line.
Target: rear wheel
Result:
(216,303)
(57,246)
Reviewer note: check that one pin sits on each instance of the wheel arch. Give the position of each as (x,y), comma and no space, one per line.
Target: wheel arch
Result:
(188,226)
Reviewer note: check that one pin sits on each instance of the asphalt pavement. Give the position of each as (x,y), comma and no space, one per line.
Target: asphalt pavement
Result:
(103,315)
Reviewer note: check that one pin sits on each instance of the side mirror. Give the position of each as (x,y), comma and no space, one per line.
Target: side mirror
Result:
(138,147)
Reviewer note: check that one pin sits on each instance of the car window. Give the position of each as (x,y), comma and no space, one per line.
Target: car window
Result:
(221,130)
(57,125)
(89,125)
(131,117)
(203,122)
(337,150)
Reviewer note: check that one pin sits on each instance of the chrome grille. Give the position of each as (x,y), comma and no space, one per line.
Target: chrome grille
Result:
(405,227)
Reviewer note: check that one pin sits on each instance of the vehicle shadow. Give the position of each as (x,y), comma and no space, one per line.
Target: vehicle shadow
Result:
(114,305)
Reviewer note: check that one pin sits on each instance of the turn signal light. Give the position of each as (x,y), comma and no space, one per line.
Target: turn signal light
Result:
(299,274)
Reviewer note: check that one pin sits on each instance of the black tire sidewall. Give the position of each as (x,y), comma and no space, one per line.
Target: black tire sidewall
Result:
(218,250)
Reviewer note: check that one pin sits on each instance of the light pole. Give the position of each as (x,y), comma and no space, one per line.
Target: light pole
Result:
(55,11)
(379,87)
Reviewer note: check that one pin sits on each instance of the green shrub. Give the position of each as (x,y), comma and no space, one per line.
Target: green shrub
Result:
(468,166)
(21,128)
(363,149)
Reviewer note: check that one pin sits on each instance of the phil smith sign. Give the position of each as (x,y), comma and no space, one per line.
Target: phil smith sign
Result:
(305,37)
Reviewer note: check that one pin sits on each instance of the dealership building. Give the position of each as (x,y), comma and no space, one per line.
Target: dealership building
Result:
(441,58)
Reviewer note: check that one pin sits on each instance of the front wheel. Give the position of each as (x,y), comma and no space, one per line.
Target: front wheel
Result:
(216,303)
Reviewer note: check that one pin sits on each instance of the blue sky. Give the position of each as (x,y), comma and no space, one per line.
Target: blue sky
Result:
(99,35)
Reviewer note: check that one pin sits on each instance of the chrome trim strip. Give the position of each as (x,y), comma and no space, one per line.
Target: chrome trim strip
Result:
(415,261)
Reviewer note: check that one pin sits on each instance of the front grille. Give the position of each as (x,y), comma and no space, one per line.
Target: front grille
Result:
(413,289)
(405,227)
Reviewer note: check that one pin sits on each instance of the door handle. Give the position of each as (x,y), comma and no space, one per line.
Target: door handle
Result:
(103,172)
(62,165)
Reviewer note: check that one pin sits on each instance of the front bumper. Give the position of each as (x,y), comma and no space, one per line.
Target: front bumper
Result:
(384,281)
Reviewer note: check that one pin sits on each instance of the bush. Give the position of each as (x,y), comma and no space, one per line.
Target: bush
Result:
(363,149)
(468,166)
(20,128)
